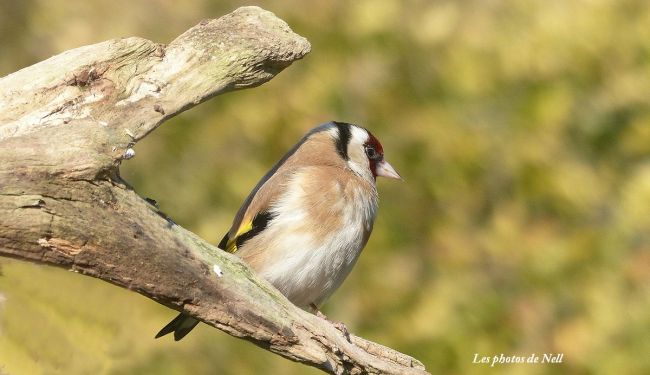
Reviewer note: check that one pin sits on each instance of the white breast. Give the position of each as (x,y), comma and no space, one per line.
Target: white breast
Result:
(308,265)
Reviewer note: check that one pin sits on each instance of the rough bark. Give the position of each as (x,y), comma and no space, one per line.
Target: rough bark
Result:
(66,124)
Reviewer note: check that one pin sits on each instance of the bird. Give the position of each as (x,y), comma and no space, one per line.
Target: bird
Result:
(305,223)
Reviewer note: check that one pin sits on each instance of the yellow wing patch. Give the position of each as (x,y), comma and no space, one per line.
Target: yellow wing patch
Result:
(247,230)
(231,245)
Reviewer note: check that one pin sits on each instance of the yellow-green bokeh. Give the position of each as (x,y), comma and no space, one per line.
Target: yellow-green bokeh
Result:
(522,129)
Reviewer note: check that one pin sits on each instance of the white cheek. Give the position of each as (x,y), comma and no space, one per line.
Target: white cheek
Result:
(358,162)
(362,170)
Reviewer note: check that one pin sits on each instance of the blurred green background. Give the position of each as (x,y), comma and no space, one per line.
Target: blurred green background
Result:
(522,129)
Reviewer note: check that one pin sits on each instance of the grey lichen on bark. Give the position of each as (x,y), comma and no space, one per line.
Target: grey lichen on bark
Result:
(66,123)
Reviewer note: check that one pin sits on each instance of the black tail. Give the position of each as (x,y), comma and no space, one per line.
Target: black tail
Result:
(181,326)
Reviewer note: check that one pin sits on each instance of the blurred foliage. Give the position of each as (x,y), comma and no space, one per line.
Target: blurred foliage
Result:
(522,129)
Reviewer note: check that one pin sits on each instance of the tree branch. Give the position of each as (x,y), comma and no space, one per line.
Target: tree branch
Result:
(66,124)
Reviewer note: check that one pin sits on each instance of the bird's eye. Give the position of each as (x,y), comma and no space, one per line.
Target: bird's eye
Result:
(371,152)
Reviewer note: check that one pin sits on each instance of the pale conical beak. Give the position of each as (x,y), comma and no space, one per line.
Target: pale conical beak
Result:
(384,169)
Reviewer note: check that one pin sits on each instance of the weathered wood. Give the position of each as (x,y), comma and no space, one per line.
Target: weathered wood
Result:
(65,125)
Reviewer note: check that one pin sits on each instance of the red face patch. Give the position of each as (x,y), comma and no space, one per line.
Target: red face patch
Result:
(374,152)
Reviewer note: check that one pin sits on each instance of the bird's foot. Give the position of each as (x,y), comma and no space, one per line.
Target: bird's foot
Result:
(338,325)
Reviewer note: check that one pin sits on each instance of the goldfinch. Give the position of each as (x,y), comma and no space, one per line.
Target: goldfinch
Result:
(303,226)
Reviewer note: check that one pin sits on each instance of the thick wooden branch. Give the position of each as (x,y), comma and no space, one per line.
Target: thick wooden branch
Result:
(65,125)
